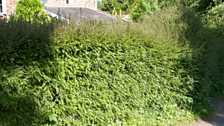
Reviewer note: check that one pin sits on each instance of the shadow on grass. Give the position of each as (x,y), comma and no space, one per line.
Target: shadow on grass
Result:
(17,110)
(22,45)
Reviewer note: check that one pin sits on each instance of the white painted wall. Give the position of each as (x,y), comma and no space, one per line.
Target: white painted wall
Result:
(4,7)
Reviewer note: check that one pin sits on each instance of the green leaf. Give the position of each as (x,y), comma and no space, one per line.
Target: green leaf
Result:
(53,117)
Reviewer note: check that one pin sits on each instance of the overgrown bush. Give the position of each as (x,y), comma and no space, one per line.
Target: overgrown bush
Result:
(30,11)
(86,74)
(214,19)
(139,10)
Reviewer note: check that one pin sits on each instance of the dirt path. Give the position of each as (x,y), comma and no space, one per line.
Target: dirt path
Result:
(216,118)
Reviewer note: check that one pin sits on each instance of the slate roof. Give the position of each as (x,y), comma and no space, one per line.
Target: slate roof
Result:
(74,13)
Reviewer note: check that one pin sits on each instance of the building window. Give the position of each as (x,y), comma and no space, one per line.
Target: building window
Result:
(1,8)
(67,1)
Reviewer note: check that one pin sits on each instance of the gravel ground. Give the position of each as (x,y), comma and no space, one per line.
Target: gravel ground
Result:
(215,119)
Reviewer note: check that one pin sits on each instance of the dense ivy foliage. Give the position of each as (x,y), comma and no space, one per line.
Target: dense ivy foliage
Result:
(118,74)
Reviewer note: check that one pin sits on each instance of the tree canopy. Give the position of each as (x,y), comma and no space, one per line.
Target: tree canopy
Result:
(137,8)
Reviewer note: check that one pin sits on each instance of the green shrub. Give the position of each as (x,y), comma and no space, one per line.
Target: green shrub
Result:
(116,6)
(30,11)
(86,74)
(139,10)
(214,19)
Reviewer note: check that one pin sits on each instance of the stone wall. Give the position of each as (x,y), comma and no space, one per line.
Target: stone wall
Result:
(92,4)
(11,4)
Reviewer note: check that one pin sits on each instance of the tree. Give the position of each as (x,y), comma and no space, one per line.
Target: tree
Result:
(30,11)
(139,10)
(116,6)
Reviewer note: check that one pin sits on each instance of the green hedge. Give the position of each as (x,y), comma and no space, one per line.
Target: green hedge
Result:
(91,74)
